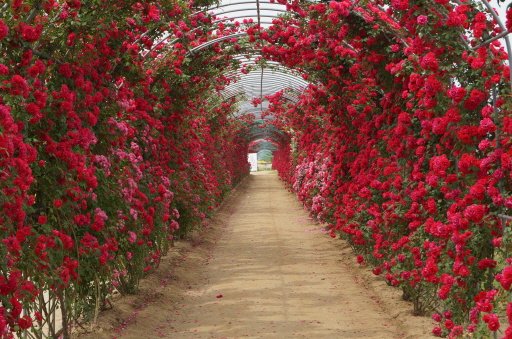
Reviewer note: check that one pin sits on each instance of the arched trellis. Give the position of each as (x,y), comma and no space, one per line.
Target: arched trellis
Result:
(258,145)
(239,10)
(240,92)
(261,12)
(272,77)
(264,79)
(264,131)
(258,10)
(257,84)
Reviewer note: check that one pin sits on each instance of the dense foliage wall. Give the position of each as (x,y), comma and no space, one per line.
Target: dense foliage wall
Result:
(402,145)
(111,144)
(113,140)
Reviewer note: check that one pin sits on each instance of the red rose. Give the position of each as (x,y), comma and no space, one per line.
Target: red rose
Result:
(505,278)
(19,86)
(439,165)
(429,62)
(487,125)
(493,323)
(25,322)
(30,33)
(476,97)
(509,19)
(475,213)
(4,29)
(42,219)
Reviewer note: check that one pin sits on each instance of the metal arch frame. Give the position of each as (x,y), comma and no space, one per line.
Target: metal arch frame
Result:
(291,80)
(273,64)
(267,133)
(279,75)
(276,70)
(273,69)
(214,41)
(258,15)
(262,140)
(246,92)
(240,89)
(295,79)
(274,83)
(206,10)
(287,94)
(245,16)
(503,35)
(263,144)
(233,92)
(250,110)
(212,11)
(235,86)
(247,10)
(254,110)
(506,36)
(258,126)
(243,92)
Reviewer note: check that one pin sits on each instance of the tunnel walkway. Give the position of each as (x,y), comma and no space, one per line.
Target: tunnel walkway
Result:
(271,273)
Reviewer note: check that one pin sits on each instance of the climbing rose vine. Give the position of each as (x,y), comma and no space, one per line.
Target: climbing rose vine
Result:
(114,140)
(402,145)
(111,144)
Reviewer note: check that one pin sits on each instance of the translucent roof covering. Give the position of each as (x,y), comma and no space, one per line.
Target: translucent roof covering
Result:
(262,82)
(261,12)
(253,79)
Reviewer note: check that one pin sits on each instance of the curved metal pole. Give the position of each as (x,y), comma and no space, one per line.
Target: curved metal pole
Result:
(211,42)
(233,4)
(506,37)
(293,83)
(248,9)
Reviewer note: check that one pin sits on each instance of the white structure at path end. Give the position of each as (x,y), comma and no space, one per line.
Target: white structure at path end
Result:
(253,160)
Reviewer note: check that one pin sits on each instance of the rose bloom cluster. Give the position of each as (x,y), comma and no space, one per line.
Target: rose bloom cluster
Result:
(110,147)
(402,145)
(113,141)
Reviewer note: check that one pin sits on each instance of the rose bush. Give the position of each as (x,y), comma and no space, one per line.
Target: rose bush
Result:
(112,142)
(401,144)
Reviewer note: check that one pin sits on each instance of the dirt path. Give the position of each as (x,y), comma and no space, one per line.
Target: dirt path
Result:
(265,271)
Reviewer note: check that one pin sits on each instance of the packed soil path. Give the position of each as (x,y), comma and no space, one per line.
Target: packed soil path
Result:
(268,272)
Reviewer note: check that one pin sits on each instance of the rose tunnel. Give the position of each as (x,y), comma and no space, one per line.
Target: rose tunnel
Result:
(123,124)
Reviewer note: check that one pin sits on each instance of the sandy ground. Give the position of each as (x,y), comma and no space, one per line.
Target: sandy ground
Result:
(262,269)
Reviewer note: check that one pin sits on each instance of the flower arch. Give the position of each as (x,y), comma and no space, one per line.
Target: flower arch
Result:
(120,121)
